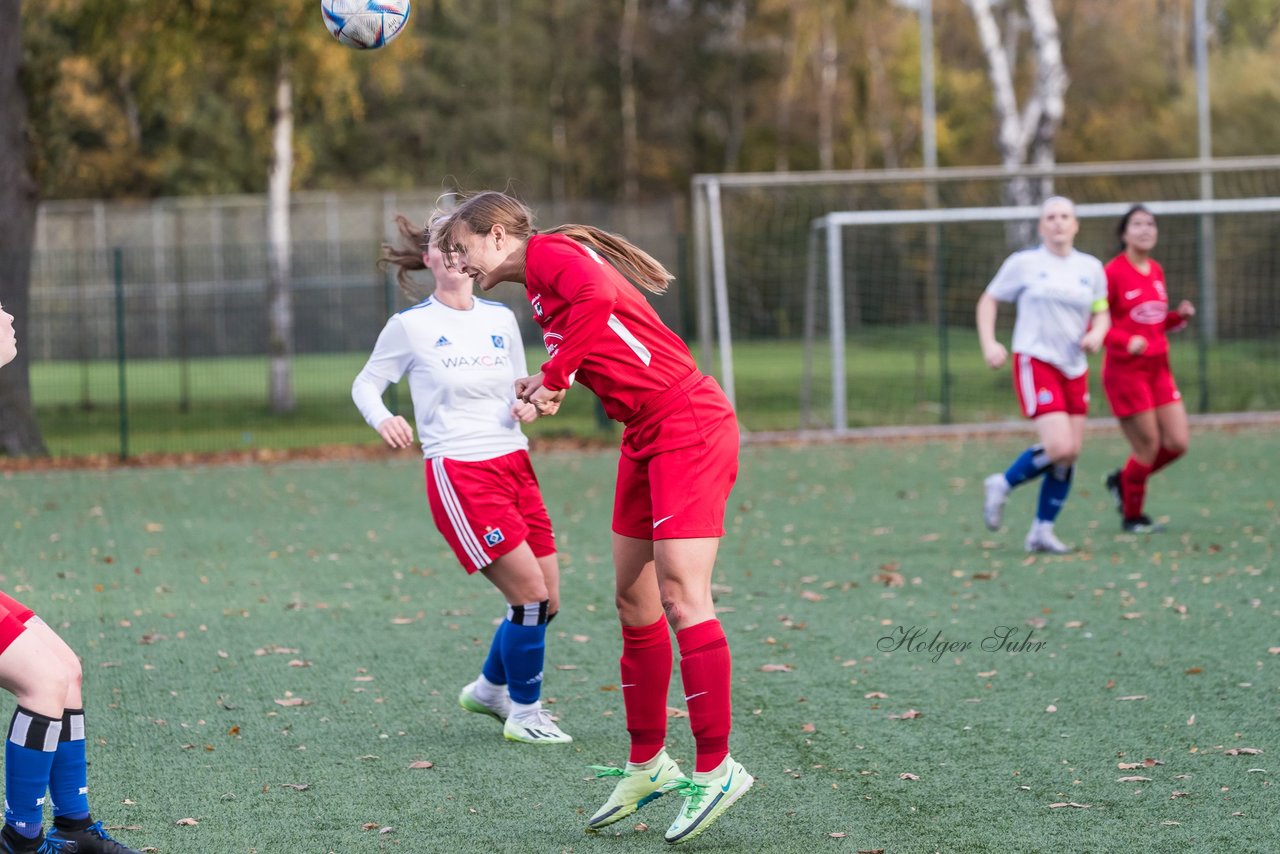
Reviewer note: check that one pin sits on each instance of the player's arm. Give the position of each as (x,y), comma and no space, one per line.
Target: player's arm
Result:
(993,352)
(1099,325)
(521,410)
(1177,319)
(1117,336)
(390,359)
(591,300)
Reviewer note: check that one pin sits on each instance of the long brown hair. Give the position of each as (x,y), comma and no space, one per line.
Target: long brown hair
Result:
(405,255)
(481,212)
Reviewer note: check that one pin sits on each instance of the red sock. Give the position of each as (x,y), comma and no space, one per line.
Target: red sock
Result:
(1133,481)
(646,678)
(1163,457)
(705,669)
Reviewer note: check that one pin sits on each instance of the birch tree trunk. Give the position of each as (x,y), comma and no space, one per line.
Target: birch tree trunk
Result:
(828,57)
(279,300)
(19,433)
(1029,131)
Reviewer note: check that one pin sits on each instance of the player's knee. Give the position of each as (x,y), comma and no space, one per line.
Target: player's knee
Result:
(1063,452)
(1175,445)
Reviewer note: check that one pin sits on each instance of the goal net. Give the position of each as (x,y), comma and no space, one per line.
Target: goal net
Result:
(818,313)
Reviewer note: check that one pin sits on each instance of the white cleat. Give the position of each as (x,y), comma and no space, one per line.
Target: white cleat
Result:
(1042,539)
(997,489)
(534,726)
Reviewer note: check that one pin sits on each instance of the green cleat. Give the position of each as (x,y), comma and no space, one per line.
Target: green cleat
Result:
(468,700)
(706,797)
(639,785)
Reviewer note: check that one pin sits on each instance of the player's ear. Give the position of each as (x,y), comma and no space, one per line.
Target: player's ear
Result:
(499,234)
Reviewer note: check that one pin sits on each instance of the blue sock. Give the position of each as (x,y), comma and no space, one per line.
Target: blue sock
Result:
(28,756)
(1053,492)
(493,669)
(69,777)
(524,644)
(1030,464)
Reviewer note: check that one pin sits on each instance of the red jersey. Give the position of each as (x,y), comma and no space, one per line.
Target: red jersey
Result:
(599,329)
(1139,305)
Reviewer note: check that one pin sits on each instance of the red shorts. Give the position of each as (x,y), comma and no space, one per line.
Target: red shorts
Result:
(678,464)
(1042,388)
(487,508)
(1138,383)
(13,619)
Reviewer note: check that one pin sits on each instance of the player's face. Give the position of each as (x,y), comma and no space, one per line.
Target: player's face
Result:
(478,255)
(1058,226)
(8,339)
(1140,232)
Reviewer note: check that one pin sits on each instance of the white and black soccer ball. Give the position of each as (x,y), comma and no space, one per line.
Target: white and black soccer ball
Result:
(365,24)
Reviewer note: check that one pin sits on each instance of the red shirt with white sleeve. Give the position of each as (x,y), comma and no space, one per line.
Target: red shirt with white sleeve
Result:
(599,329)
(1139,305)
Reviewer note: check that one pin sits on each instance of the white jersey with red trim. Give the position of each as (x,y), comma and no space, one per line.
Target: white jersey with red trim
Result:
(462,368)
(599,329)
(1056,297)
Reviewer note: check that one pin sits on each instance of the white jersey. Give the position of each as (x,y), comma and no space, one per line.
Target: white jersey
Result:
(1056,297)
(462,368)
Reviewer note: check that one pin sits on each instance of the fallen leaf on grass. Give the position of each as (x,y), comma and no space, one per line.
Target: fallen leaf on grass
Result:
(776,668)
(1073,804)
(403,621)
(1132,697)
(297,787)
(1134,779)
(1132,615)
(1273,650)
(1051,708)
(889,579)
(808,728)
(837,835)
(422,764)
(1242,751)
(906,776)
(811,596)
(566,667)
(907,715)
(641,827)
(293,701)
(1180,795)
(673,712)
(875,695)
(186,822)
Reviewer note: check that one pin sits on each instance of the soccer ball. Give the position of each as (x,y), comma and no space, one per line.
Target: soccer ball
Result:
(365,24)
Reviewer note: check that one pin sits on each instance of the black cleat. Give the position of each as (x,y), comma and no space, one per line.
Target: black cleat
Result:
(1141,525)
(1116,488)
(92,839)
(12,842)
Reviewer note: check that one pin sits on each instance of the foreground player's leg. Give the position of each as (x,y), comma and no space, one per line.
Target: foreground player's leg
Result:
(645,669)
(1029,465)
(487,695)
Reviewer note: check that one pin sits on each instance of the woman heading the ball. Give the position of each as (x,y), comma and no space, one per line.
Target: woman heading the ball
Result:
(1135,372)
(678,463)
(462,356)
(1061,295)
(45,748)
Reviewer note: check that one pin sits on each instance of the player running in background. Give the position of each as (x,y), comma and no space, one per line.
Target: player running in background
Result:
(463,355)
(45,750)
(1061,295)
(678,464)
(1135,372)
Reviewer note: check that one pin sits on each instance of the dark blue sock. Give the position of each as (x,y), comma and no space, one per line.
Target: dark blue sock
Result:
(28,756)
(1030,464)
(1053,492)
(69,776)
(524,644)
(493,669)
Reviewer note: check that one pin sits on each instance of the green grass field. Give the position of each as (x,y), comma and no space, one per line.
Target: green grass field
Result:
(268,651)
(894,377)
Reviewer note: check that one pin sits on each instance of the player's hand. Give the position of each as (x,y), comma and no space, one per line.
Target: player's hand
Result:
(525,386)
(546,401)
(994,354)
(525,413)
(1186,309)
(1092,341)
(396,432)
(1137,345)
